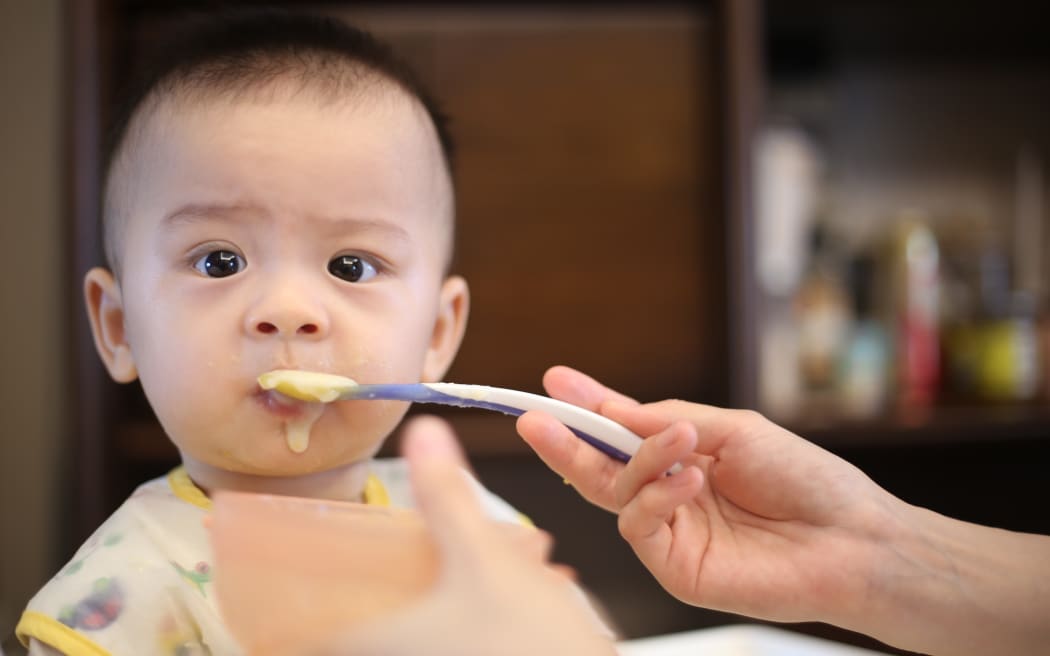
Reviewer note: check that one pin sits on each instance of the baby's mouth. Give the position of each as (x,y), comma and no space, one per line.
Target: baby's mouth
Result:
(279,404)
(301,402)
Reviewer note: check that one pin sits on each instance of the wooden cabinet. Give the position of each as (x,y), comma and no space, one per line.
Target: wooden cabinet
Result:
(607,201)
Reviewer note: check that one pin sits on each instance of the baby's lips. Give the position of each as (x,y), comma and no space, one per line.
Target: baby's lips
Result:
(280,404)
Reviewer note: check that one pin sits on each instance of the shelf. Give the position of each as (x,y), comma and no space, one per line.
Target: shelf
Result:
(808,34)
(944,425)
(927,114)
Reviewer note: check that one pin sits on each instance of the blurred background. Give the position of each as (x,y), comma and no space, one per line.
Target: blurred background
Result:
(830,212)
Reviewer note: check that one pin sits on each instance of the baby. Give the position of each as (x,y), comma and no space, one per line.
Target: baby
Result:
(279,197)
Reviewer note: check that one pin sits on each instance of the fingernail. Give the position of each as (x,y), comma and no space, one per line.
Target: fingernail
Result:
(683,477)
(669,437)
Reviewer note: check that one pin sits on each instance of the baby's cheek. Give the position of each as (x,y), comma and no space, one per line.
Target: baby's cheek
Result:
(172,402)
(185,399)
(395,355)
(371,420)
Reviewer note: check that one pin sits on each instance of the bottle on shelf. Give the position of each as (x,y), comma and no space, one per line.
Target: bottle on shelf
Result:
(915,259)
(1011,364)
(863,378)
(822,313)
(992,352)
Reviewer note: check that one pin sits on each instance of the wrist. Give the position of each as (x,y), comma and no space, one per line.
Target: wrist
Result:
(891,570)
(890,565)
(939,585)
(913,578)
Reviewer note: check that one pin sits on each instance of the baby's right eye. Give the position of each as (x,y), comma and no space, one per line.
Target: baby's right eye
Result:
(220,263)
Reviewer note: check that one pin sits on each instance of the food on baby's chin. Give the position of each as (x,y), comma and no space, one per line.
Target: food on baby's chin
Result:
(297,437)
(310,386)
(297,431)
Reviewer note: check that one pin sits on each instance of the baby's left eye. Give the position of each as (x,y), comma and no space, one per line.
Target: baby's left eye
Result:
(219,264)
(351,268)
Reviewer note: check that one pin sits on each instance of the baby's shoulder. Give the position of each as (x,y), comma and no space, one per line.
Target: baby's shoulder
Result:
(145,574)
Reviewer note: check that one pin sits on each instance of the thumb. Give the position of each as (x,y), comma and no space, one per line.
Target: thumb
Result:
(444,493)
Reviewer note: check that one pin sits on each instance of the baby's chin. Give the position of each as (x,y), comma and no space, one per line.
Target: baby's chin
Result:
(272,458)
(281,461)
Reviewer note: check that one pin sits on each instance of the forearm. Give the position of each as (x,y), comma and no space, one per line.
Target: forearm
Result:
(943,586)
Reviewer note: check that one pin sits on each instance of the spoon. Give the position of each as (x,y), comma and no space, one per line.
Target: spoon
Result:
(600,432)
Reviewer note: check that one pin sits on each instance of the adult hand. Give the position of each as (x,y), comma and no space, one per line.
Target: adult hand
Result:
(495,593)
(759,521)
(763,523)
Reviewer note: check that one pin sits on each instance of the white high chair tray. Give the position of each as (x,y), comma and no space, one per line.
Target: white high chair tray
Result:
(738,640)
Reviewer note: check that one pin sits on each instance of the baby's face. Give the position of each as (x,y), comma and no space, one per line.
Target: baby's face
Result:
(285,234)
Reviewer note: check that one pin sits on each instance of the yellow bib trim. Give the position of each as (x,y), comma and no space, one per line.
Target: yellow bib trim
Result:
(375,492)
(183,487)
(56,634)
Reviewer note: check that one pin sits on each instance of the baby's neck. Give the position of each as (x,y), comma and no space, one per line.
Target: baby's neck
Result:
(345,483)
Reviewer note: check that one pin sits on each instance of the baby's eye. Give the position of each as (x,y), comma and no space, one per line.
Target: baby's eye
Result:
(220,263)
(351,268)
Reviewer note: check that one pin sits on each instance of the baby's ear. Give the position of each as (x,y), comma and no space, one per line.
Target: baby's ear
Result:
(106,313)
(451,323)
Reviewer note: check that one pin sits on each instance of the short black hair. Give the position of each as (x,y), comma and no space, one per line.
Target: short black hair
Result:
(236,51)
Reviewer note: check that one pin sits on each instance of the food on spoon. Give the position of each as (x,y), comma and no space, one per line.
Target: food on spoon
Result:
(311,386)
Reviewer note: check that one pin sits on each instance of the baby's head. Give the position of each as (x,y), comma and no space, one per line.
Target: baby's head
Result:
(256,56)
(278,196)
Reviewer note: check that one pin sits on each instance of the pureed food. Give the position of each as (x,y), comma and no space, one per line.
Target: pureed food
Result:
(312,387)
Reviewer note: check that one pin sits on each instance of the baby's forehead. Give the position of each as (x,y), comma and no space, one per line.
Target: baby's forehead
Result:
(379,115)
(189,102)
(169,115)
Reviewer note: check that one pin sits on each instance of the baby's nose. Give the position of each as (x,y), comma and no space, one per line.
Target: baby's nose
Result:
(268,328)
(285,313)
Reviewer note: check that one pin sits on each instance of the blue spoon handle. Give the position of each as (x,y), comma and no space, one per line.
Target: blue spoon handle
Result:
(600,432)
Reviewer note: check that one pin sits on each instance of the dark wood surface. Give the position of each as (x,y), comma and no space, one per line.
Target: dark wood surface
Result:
(604,221)
(87,29)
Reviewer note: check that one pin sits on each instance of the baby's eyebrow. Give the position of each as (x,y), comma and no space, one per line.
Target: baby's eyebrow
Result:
(340,224)
(198,212)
